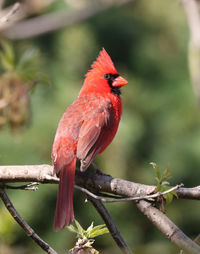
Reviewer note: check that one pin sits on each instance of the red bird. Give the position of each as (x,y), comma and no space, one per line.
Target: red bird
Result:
(86,128)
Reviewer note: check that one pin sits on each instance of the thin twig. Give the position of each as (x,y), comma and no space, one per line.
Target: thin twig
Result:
(11,12)
(146,197)
(114,231)
(30,186)
(165,225)
(29,231)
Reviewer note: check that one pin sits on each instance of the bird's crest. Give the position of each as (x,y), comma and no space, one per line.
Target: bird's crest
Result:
(102,65)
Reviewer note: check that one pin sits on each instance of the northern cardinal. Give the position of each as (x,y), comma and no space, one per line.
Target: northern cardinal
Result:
(86,128)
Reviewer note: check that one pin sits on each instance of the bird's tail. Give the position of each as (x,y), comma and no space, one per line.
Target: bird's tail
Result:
(64,214)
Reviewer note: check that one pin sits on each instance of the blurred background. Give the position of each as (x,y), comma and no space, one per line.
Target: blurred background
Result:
(148,42)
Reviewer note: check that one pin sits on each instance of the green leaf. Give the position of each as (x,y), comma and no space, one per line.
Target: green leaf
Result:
(163,184)
(7,55)
(161,177)
(27,67)
(99,232)
(27,59)
(96,229)
(174,193)
(4,61)
(156,170)
(166,174)
(8,49)
(168,198)
(72,229)
(90,227)
(79,227)
(91,231)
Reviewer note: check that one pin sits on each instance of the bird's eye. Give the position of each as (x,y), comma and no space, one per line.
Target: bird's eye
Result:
(106,76)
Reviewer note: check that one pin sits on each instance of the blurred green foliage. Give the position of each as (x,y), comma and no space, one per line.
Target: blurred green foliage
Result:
(19,76)
(148,43)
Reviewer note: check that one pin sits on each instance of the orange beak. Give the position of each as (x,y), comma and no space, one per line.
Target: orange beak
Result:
(119,81)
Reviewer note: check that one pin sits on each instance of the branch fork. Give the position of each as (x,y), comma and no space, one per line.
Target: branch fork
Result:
(92,183)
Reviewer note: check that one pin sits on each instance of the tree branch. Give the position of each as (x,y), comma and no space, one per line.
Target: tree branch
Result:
(101,183)
(114,231)
(10,13)
(189,193)
(30,186)
(165,225)
(193,19)
(28,173)
(196,240)
(29,231)
(106,183)
(150,197)
(53,21)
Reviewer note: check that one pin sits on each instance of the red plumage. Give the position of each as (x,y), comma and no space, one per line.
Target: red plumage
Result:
(86,128)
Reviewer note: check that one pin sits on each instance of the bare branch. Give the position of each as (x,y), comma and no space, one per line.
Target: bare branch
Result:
(106,183)
(189,193)
(193,19)
(114,231)
(53,21)
(29,186)
(29,231)
(118,199)
(1,3)
(196,240)
(99,182)
(10,13)
(165,225)
(28,173)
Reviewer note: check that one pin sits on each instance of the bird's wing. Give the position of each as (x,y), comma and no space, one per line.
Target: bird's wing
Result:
(64,146)
(94,134)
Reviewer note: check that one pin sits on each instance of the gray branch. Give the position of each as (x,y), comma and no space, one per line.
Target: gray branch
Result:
(114,231)
(14,8)
(196,240)
(193,19)
(54,21)
(168,228)
(29,231)
(101,183)
(105,183)
(115,199)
